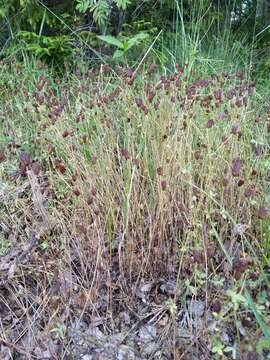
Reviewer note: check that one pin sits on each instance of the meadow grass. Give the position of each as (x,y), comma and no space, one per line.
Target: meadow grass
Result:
(128,177)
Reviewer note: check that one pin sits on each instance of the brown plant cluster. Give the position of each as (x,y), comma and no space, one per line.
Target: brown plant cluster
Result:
(145,177)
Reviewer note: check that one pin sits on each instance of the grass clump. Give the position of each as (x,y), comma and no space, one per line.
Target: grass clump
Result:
(126,177)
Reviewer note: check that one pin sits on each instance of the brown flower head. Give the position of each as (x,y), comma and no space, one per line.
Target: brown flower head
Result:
(263,213)
(235,129)
(36,167)
(139,102)
(125,153)
(240,182)
(2,155)
(76,191)
(25,159)
(237,164)
(226,181)
(136,162)
(210,123)
(258,150)
(216,306)
(160,171)
(60,166)
(93,191)
(163,184)
(94,159)
(152,68)
(81,228)
(249,191)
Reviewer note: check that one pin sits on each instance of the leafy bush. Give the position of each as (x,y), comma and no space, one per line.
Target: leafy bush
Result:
(56,48)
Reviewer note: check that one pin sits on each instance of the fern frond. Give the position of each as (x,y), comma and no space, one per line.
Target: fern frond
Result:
(100,11)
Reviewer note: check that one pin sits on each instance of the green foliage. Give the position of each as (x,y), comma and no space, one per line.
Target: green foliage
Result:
(100,9)
(237,299)
(83,5)
(122,4)
(19,15)
(140,25)
(192,29)
(22,13)
(111,40)
(257,315)
(59,331)
(56,48)
(263,344)
(125,45)
(36,29)
(218,348)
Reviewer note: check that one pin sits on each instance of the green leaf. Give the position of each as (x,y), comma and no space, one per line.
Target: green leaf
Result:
(218,348)
(100,12)
(83,5)
(232,350)
(125,45)
(236,298)
(118,53)
(136,39)
(263,345)
(122,4)
(111,40)
(258,317)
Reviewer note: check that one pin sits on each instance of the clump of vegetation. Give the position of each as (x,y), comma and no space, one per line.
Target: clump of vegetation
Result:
(134,191)
(115,178)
